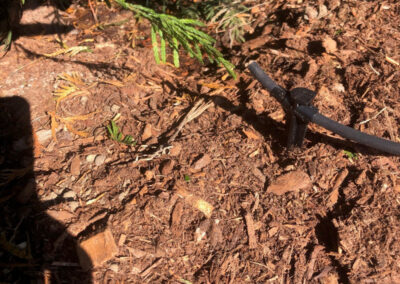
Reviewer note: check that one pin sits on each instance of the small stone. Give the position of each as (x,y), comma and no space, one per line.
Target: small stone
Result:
(99,160)
(75,167)
(338,87)
(90,158)
(114,267)
(115,108)
(166,167)
(122,195)
(329,44)
(126,183)
(293,181)
(96,250)
(122,240)
(311,12)
(149,174)
(69,194)
(73,205)
(51,196)
(202,162)
(43,136)
(323,11)
(84,100)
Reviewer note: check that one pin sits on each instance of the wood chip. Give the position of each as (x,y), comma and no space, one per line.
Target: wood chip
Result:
(251,231)
(176,218)
(330,45)
(334,195)
(311,262)
(75,168)
(97,250)
(166,167)
(202,162)
(251,134)
(122,240)
(293,181)
(60,215)
(147,132)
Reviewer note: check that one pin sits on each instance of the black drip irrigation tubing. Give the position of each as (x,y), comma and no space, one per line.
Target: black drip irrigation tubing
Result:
(297,103)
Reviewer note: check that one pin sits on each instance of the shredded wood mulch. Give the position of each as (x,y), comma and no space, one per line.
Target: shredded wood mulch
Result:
(208,193)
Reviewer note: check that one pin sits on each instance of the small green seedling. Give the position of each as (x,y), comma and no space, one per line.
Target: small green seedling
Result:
(187,178)
(116,135)
(350,155)
(339,32)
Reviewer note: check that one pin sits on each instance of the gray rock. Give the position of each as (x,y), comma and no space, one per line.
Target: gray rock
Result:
(69,194)
(43,136)
(73,205)
(99,160)
(90,158)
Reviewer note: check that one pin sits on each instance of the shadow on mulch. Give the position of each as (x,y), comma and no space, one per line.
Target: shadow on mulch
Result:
(33,246)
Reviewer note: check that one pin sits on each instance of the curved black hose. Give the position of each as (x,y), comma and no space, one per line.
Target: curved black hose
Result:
(381,144)
(263,78)
(274,89)
(311,114)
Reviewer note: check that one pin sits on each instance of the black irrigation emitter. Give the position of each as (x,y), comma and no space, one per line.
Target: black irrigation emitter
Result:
(298,105)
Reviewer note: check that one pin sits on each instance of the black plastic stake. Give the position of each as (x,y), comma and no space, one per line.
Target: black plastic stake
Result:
(298,105)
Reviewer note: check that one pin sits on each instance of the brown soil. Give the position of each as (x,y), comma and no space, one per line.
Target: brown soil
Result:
(212,197)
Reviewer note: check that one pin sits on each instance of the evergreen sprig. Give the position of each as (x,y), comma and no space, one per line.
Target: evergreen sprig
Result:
(176,32)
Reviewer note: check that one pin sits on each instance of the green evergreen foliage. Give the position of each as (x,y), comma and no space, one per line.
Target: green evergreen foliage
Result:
(229,17)
(178,32)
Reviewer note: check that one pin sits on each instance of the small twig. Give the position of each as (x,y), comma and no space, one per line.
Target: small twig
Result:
(375,116)
(373,69)
(199,107)
(146,272)
(93,11)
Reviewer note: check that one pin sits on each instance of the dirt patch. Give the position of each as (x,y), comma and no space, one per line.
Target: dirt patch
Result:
(190,199)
